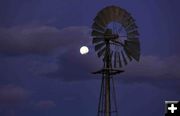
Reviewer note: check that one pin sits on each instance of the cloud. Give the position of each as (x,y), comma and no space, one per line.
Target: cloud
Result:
(39,39)
(45,39)
(46,104)
(11,95)
(70,65)
(75,67)
(154,67)
(158,71)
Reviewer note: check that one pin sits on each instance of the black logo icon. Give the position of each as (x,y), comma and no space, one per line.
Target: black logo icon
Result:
(172,108)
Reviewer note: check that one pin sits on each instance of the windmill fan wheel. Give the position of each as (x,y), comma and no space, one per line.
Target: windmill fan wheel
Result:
(116,26)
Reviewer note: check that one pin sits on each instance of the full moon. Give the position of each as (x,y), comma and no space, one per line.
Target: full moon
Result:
(84,50)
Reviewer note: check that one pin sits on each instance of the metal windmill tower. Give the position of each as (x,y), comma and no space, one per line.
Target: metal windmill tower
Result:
(116,41)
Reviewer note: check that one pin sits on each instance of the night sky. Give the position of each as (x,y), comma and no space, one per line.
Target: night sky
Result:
(42,72)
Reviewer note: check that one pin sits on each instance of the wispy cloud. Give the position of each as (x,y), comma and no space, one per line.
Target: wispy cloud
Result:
(154,67)
(11,95)
(45,104)
(39,39)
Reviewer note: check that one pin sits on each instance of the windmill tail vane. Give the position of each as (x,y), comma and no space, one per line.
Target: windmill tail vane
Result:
(116,41)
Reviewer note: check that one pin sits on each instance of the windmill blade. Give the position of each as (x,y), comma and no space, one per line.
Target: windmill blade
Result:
(108,12)
(135,45)
(131,27)
(133,30)
(97,40)
(133,51)
(134,54)
(117,12)
(102,15)
(126,16)
(101,52)
(119,59)
(105,17)
(97,33)
(132,37)
(115,59)
(128,22)
(124,58)
(98,20)
(111,56)
(111,12)
(133,33)
(117,42)
(128,54)
(121,15)
(96,26)
(132,41)
(99,46)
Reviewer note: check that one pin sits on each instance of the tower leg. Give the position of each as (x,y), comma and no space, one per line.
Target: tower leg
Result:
(107,96)
(107,100)
(101,99)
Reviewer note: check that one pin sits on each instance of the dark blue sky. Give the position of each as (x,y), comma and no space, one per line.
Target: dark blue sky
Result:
(43,74)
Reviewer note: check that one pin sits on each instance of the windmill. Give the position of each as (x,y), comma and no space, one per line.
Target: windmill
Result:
(116,41)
